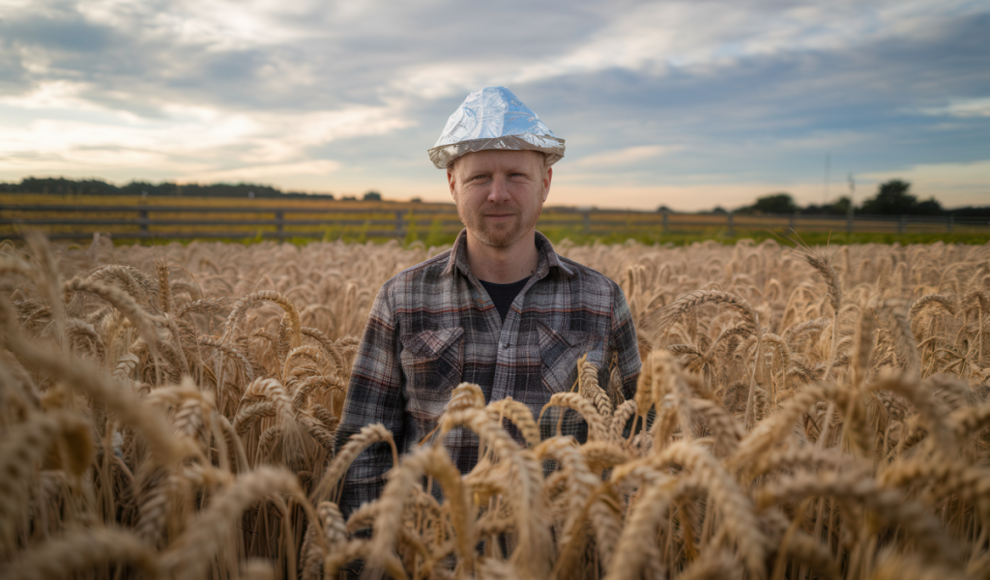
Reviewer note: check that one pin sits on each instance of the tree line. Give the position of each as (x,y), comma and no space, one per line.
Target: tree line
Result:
(893,197)
(63,186)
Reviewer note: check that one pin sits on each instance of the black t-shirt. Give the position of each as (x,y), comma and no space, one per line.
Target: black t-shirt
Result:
(503,294)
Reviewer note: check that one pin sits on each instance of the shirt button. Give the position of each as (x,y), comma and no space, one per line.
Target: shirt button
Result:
(504,345)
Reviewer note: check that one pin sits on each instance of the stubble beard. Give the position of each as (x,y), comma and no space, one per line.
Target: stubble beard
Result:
(499,235)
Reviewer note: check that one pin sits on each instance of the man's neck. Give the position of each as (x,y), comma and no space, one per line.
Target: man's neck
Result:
(503,265)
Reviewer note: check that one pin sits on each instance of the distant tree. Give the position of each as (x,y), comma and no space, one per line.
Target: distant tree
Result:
(894,197)
(60,185)
(664,208)
(837,207)
(372,196)
(971,211)
(719,210)
(773,203)
(930,206)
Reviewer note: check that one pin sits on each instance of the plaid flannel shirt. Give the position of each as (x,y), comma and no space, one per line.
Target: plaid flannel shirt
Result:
(434,326)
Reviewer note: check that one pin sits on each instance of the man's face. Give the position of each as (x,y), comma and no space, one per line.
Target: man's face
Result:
(500,194)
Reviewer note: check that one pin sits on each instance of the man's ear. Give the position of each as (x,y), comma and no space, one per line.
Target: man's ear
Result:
(546,182)
(451,182)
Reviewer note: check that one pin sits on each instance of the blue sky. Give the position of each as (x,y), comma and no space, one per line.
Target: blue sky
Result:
(684,104)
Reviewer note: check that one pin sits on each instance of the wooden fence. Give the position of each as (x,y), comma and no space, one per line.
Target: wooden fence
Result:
(201,219)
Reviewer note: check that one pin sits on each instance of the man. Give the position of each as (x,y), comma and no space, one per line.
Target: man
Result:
(500,308)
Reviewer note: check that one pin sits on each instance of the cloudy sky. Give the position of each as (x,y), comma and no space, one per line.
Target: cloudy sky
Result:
(687,104)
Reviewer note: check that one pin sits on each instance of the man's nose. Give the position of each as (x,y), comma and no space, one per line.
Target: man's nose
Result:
(499,192)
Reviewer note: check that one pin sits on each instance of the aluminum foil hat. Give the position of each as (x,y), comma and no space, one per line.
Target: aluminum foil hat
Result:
(494,118)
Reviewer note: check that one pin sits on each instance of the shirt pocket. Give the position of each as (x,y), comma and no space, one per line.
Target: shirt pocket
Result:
(432,361)
(560,351)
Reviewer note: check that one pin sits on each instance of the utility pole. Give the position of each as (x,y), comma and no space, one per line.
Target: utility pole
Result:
(852,198)
(852,192)
(828,170)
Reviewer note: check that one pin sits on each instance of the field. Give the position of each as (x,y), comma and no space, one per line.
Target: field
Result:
(169,412)
(157,220)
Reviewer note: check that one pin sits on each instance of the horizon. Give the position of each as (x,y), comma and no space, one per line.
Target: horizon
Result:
(759,97)
(351,196)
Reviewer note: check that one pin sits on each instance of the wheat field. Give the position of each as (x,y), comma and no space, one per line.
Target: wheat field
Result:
(169,412)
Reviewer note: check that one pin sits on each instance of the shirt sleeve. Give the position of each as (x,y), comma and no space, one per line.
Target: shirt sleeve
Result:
(374,395)
(623,340)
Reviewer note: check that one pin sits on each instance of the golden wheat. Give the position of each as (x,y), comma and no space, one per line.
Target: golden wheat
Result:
(170,413)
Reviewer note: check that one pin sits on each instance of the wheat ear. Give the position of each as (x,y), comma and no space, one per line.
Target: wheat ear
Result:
(23,447)
(128,408)
(164,290)
(888,504)
(822,264)
(434,462)
(270,296)
(368,436)
(773,429)
(81,550)
(719,566)
(640,531)
(596,424)
(739,516)
(580,485)
(333,529)
(904,343)
(520,415)
(589,388)
(191,555)
(122,301)
(327,345)
(898,566)
(49,281)
(970,421)
(687,303)
(357,549)
(533,551)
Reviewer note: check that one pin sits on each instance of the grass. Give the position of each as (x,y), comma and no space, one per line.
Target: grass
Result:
(434,237)
(436,229)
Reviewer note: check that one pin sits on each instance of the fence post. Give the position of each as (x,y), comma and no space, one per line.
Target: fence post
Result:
(279,224)
(666,222)
(949,222)
(791,220)
(399,221)
(902,225)
(143,220)
(587,222)
(732,230)
(849,224)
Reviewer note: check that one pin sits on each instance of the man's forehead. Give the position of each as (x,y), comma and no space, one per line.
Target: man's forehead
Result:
(494,159)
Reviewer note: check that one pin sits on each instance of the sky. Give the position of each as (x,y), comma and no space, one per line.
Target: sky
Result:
(690,105)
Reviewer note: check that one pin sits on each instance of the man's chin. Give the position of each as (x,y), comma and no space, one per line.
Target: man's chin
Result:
(499,239)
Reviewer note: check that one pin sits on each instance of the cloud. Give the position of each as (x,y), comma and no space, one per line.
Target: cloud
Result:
(263,172)
(627,156)
(960,108)
(752,92)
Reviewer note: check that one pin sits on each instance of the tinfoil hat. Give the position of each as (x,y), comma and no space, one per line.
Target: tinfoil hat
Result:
(494,118)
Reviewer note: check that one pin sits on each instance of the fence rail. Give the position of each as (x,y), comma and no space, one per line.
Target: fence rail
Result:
(61,221)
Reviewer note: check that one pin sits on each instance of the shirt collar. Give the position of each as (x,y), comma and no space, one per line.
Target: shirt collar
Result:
(548,258)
